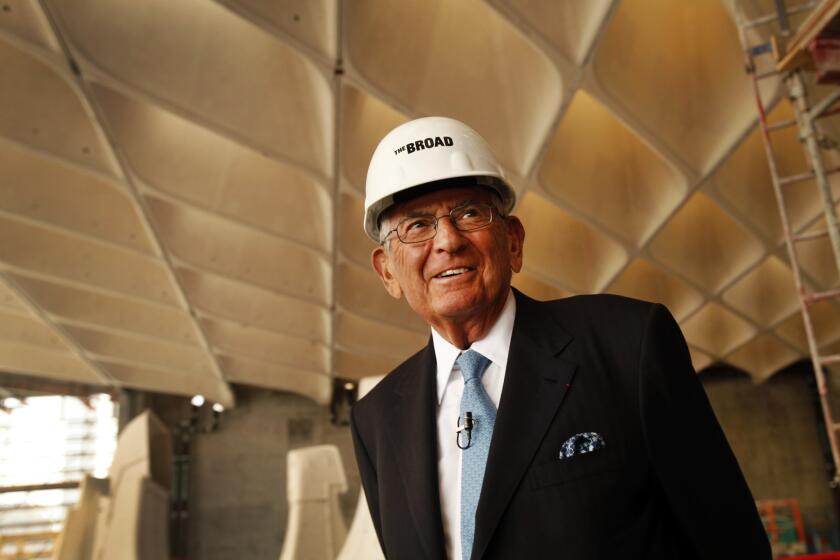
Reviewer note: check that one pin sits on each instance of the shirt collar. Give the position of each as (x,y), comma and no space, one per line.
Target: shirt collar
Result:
(494,345)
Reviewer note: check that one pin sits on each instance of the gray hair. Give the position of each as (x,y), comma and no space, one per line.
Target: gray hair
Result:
(384,229)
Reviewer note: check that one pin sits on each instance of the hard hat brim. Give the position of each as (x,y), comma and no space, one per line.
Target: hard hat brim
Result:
(497,184)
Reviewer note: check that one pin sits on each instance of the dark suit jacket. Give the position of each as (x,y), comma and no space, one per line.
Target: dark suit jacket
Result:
(665,487)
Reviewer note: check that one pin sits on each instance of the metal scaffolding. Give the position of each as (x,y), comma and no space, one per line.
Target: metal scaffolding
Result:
(790,65)
(47,444)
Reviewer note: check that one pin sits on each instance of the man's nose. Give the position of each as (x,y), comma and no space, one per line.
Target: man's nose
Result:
(448,237)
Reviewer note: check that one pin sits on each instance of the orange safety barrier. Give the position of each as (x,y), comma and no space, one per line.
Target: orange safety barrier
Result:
(783,522)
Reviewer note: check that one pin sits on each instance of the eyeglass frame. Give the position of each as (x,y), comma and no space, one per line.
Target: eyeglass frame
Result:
(492,207)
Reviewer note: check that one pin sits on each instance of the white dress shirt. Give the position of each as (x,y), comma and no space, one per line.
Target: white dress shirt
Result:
(450,387)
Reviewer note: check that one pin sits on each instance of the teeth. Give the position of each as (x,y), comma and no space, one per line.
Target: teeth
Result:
(452,272)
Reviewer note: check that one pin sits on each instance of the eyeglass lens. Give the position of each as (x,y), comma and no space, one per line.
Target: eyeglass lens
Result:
(467,217)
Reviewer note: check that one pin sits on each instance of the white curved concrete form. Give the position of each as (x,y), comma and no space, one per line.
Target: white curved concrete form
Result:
(75,542)
(125,516)
(361,538)
(181,183)
(315,529)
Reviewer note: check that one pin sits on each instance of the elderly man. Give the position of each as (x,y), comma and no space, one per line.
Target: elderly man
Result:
(570,429)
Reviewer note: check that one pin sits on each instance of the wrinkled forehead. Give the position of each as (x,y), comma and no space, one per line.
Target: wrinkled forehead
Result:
(433,201)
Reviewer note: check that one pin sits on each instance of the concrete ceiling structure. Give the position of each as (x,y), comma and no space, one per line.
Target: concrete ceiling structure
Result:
(181,183)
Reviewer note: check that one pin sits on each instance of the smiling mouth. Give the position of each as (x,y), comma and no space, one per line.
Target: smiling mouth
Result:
(454,272)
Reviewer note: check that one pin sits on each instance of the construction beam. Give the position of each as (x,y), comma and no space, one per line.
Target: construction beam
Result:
(22,386)
(823,17)
(65,485)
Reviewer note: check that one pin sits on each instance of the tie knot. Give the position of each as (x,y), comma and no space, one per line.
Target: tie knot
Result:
(472,364)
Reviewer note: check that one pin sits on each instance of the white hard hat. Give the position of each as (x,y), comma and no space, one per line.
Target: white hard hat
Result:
(426,151)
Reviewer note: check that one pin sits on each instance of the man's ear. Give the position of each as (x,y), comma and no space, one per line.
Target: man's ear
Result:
(381,264)
(516,240)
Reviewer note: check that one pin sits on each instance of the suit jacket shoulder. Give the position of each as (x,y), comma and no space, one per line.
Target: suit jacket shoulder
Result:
(599,309)
(380,396)
(604,326)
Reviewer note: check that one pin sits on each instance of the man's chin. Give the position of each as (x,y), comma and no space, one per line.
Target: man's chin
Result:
(456,308)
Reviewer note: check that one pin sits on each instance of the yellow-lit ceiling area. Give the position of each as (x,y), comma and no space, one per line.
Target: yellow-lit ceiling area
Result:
(181,182)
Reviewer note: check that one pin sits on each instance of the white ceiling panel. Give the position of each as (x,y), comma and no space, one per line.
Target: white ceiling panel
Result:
(182,183)
(40,106)
(23,19)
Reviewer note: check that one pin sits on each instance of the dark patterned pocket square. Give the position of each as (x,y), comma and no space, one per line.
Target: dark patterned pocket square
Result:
(585,442)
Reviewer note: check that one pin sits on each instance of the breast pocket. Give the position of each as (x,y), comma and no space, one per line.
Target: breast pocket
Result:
(574,468)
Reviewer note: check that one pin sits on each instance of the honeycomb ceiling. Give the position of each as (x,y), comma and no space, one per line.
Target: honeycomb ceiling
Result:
(181,183)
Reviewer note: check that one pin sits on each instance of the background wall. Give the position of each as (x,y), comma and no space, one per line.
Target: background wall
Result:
(773,431)
(239,474)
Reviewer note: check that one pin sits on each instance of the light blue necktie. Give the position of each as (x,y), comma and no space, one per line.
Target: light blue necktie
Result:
(474,458)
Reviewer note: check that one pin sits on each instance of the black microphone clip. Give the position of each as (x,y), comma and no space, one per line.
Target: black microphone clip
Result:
(468,426)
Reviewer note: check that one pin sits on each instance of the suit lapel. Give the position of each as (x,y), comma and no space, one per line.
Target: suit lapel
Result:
(536,381)
(412,430)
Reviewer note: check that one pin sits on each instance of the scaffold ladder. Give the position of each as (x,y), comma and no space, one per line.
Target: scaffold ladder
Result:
(805,119)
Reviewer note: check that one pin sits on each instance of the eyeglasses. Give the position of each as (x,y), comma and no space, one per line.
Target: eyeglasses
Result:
(467,217)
